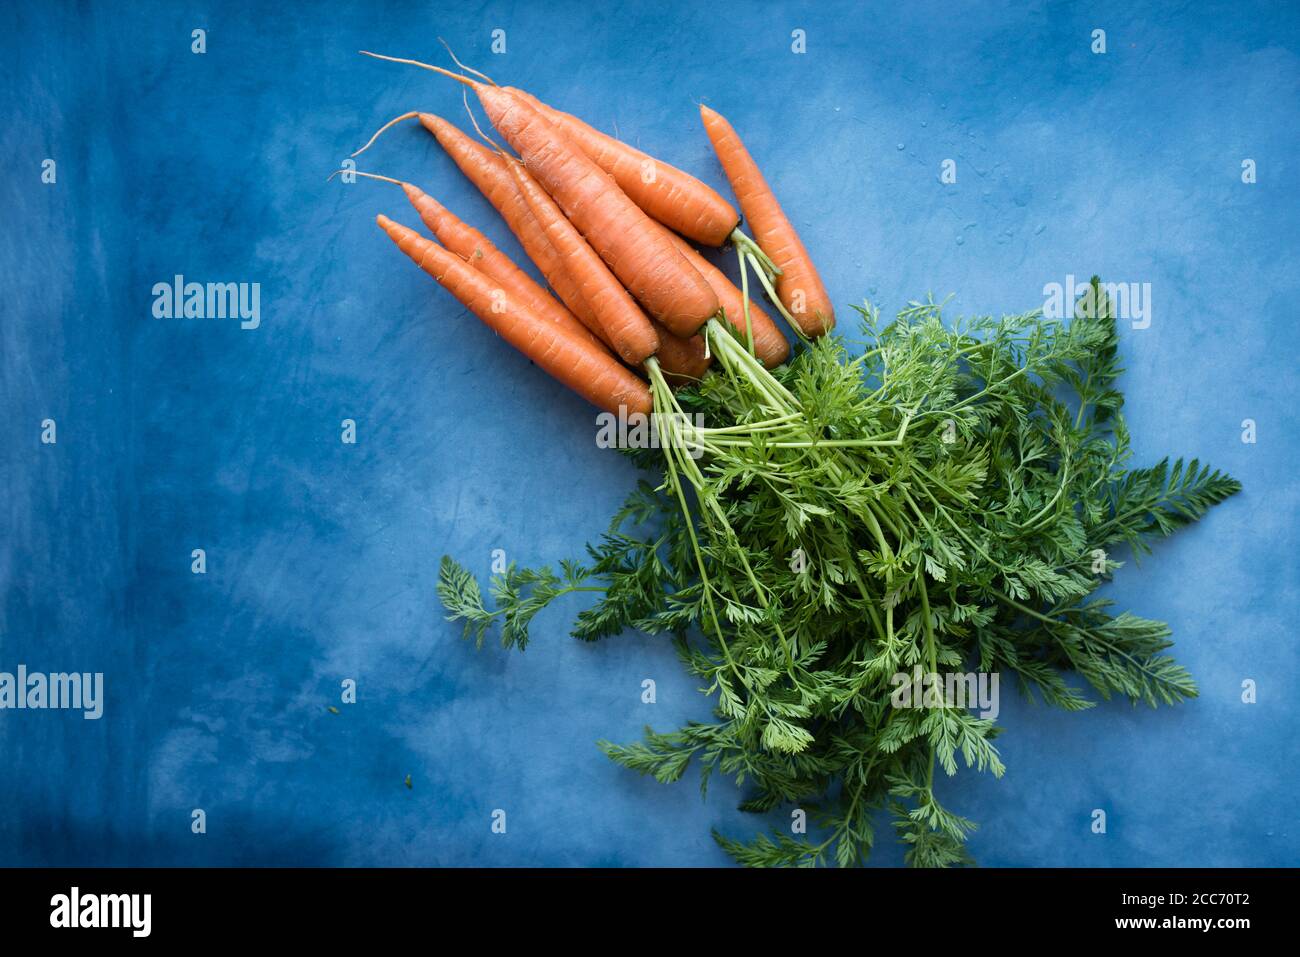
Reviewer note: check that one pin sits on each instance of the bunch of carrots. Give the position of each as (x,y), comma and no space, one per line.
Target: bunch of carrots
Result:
(905,548)
(635,307)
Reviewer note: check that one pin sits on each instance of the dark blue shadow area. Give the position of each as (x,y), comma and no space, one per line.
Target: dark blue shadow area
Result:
(175,435)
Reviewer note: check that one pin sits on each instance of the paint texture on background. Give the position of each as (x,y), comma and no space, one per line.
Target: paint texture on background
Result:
(175,435)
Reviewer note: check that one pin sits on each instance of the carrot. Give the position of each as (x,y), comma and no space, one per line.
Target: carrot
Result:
(645,262)
(670,195)
(769,344)
(488,171)
(477,250)
(625,325)
(798,286)
(682,360)
(576,362)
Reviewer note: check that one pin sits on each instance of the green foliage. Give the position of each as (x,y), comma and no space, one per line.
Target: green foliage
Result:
(459,593)
(520,594)
(943,500)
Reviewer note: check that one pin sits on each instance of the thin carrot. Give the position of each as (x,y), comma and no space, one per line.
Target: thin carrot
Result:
(672,196)
(625,325)
(488,171)
(480,252)
(574,361)
(799,286)
(646,263)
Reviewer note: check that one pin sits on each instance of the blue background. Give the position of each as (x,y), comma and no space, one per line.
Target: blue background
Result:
(322,557)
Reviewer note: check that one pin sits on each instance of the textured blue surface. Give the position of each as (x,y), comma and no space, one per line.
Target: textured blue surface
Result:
(322,557)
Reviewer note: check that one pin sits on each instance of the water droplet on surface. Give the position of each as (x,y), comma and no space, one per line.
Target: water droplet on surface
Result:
(902,146)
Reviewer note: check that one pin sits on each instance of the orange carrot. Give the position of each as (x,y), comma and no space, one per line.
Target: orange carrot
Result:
(646,263)
(682,360)
(590,372)
(670,195)
(625,325)
(479,251)
(799,286)
(584,368)
(769,344)
(488,171)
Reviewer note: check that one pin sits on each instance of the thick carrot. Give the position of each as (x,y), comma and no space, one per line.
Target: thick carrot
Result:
(769,344)
(646,263)
(487,170)
(625,325)
(798,286)
(572,360)
(672,196)
(480,252)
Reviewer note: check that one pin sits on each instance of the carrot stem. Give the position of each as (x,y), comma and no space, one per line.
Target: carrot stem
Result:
(676,463)
(741,239)
(711,512)
(776,300)
(744,298)
(729,352)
